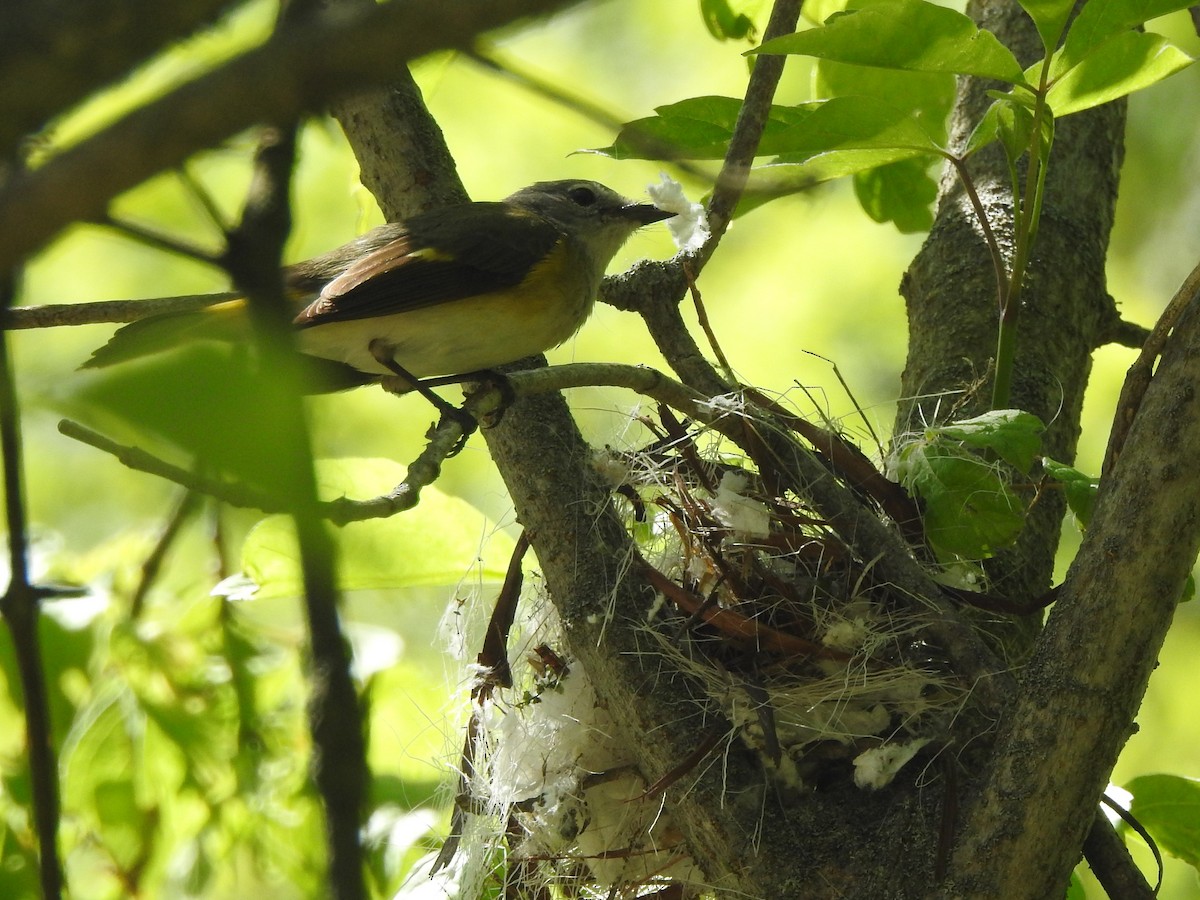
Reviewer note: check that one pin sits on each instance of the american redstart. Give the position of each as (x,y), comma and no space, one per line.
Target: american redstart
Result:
(453,291)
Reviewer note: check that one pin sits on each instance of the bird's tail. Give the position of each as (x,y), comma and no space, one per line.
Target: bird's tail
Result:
(224,321)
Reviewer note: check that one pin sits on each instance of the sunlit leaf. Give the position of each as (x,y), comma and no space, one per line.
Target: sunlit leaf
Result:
(18,857)
(1101,20)
(1127,63)
(697,128)
(777,179)
(442,542)
(99,783)
(928,96)
(1079,487)
(207,400)
(817,11)
(1010,120)
(1012,434)
(905,34)
(854,123)
(1050,17)
(969,511)
(1168,806)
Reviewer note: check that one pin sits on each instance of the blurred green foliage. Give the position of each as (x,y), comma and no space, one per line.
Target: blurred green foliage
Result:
(182,733)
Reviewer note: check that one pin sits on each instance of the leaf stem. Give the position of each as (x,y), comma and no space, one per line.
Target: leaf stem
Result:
(989,236)
(20,608)
(1026,217)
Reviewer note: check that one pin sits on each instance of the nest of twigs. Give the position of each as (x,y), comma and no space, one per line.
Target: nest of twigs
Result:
(787,637)
(816,665)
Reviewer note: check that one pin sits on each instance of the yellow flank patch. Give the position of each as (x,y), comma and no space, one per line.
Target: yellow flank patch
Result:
(549,289)
(432,254)
(237,305)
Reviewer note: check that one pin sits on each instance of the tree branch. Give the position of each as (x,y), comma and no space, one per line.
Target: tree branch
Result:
(1073,715)
(654,290)
(53,315)
(300,68)
(71,49)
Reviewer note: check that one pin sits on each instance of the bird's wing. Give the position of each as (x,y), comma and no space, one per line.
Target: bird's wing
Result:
(447,255)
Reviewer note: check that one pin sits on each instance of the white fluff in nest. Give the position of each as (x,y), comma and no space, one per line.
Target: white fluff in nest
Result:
(877,767)
(743,515)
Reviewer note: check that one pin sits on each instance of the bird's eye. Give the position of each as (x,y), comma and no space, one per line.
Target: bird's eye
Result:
(582,196)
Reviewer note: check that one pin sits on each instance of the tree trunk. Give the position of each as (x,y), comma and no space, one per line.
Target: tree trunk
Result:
(1066,311)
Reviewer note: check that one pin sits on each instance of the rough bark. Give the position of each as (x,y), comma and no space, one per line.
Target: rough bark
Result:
(1085,681)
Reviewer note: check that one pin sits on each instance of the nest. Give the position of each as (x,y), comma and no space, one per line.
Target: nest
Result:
(787,638)
(819,669)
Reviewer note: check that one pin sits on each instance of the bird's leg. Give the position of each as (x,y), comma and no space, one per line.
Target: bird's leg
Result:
(382,352)
(487,378)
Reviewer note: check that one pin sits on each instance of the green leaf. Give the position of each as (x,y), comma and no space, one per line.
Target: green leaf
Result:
(18,859)
(1012,434)
(778,179)
(969,512)
(928,96)
(1050,18)
(1080,488)
(1101,20)
(818,11)
(206,399)
(1127,63)
(1168,806)
(696,128)
(441,542)
(901,192)
(1010,120)
(905,34)
(700,128)
(726,23)
(854,123)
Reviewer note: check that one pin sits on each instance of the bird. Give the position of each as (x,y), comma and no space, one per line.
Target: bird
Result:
(453,291)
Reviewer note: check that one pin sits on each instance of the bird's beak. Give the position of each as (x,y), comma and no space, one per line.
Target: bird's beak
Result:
(645,213)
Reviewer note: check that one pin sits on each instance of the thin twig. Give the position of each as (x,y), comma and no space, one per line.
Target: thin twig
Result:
(485,56)
(19,607)
(166,539)
(158,240)
(706,325)
(1137,379)
(660,307)
(300,69)
(422,472)
(989,236)
(748,130)
(198,192)
(99,312)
